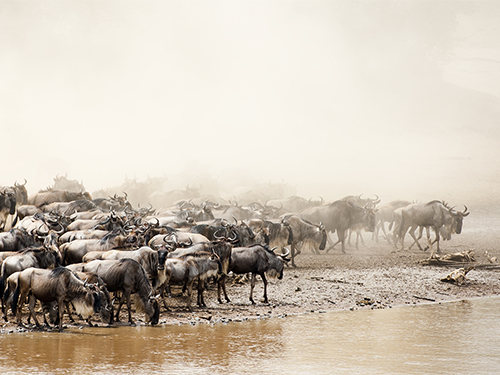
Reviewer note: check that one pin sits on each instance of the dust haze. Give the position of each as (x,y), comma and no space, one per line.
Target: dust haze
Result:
(395,98)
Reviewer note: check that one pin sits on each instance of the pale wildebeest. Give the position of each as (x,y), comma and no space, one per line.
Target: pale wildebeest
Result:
(59,284)
(434,214)
(73,252)
(385,214)
(340,216)
(129,277)
(257,260)
(367,203)
(191,267)
(306,234)
(85,234)
(177,239)
(50,196)
(294,204)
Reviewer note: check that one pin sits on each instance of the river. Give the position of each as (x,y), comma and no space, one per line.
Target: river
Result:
(460,337)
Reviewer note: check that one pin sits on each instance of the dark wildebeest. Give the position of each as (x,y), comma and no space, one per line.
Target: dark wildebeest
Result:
(279,233)
(434,214)
(59,284)
(15,240)
(7,207)
(305,233)
(257,260)
(340,216)
(129,277)
(38,257)
(145,256)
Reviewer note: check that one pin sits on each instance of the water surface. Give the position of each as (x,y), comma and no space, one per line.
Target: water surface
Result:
(451,338)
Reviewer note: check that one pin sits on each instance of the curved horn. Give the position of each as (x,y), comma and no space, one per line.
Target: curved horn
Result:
(285,254)
(218,237)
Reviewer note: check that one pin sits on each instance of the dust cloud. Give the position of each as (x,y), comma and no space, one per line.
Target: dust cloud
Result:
(394,98)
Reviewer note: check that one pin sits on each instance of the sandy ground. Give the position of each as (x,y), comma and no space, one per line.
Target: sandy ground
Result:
(372,277)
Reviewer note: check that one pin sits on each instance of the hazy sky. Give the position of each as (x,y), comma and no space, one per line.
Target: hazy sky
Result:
(395,98)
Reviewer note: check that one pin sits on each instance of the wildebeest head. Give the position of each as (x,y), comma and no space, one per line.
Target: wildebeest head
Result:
(457,219)
(8,199)
(369,219)
(278,264)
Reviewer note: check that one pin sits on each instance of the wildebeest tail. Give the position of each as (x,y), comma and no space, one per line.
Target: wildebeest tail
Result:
(15,299)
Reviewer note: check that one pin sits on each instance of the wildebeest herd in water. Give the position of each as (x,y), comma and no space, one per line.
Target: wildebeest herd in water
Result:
(74,252)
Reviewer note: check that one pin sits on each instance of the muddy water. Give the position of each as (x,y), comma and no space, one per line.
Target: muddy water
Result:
(459,337)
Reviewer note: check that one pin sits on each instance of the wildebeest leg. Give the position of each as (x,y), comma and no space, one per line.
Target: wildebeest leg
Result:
(263,276)
(31,306)
(189,292)
(222,284)
(120,303)
(60,308)
(412,234)
(329,241)
(126,293)
(294,252)
(201,287)
(252,285)
(342,235)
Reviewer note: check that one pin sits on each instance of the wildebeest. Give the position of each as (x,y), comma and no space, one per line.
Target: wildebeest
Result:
(38,257)
(305,233)
(73,252)
(59,284)
(257,260)
(15,240)
(367,203)
(385,214)
(279,233)
(129,277)
(145,256)
(340,216)
(85,234)
(7,206)
(189,268)
(50,196)
(434,214)
(294,204)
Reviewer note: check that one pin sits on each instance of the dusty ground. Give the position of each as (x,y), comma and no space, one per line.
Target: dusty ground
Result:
(374,276)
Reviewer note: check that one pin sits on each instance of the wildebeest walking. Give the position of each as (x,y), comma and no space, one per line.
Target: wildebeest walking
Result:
(340,216)
(257,260)
(59,284)
(434,214)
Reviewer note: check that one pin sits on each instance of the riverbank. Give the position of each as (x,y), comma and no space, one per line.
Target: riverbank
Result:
(375,276)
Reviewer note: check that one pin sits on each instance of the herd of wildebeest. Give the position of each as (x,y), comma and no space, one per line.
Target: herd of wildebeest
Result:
(75,253)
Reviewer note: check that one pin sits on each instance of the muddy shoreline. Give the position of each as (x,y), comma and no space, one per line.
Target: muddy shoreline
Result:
(375,276)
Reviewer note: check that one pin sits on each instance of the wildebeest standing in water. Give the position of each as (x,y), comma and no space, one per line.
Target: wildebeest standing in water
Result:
(59,284)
